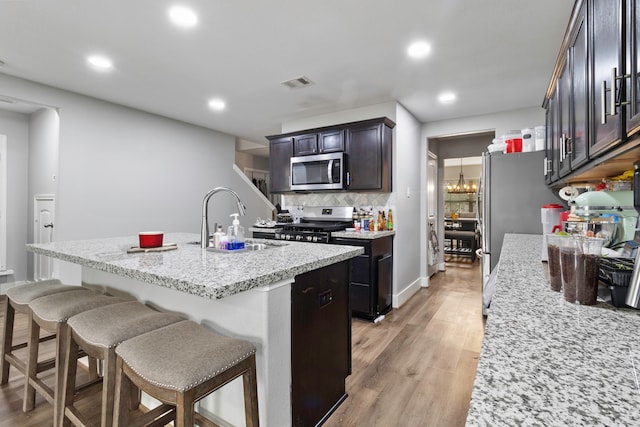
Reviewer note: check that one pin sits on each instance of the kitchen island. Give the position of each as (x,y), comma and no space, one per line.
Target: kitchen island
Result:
(245,294)
(547,362)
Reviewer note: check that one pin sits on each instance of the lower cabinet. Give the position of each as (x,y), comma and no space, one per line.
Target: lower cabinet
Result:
(371,276)
(320,343)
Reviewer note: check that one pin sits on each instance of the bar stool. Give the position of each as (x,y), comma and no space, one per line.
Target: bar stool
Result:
(179,365)
(18,299)
(98,332)
(51,314)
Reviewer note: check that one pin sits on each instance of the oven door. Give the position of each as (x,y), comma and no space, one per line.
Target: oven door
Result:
(319,172)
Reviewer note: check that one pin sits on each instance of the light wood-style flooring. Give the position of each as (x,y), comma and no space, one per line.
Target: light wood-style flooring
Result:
(415,368)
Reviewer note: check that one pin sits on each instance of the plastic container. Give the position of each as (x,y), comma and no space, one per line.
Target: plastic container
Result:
(540,135)
(235,234)
(568,267)
(497,146)
(588,254)
(550,217)
(528,140)
(555,273)
(513,140)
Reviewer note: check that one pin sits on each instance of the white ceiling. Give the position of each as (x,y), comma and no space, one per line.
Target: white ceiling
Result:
(497,55)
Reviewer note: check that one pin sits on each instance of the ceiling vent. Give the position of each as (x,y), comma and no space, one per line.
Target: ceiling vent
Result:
(298,82)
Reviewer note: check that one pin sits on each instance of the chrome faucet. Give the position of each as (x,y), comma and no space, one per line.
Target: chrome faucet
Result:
(204,229)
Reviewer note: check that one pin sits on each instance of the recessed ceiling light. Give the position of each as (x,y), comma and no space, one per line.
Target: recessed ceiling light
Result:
(447,97)
(183,16)
(217,104)
(100,62)
(419,50)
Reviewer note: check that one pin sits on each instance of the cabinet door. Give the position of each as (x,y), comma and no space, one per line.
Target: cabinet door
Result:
(580,130)
(364,147)
(320,342)
(605,36)
(564,121)
(633,66)
(551,142)
(332,141)
(385,279)
(280,152)
(305,145)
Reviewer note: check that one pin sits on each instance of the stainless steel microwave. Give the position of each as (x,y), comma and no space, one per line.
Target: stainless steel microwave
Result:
(318,172)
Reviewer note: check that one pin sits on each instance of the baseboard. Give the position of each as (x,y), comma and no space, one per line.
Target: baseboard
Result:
(407,293)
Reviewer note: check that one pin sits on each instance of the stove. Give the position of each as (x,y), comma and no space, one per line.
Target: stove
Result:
(317,224)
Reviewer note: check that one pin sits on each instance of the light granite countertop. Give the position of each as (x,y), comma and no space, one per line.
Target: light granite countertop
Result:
(366,235)
(547,362)
(193,270)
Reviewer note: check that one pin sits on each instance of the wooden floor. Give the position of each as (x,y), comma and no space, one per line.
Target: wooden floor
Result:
(415,368)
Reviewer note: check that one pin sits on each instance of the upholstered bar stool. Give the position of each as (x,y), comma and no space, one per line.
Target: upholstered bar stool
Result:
(98,332)
(51,314)
(179,365)
(18,299)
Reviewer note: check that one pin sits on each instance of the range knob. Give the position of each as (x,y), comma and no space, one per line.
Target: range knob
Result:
(315,238)
(309,238)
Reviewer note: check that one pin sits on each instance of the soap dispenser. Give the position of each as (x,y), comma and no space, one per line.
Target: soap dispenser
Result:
(235,234)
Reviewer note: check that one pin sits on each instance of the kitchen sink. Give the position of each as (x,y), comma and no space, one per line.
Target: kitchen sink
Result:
(249,246)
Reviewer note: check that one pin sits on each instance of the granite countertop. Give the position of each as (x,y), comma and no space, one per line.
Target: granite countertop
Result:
(367,235)
(545,361)
(190,269)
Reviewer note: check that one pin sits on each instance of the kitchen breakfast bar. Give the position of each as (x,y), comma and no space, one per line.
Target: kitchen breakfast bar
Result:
(245,295)
(547,362)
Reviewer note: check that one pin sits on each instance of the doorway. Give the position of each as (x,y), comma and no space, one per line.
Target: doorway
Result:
(43,225)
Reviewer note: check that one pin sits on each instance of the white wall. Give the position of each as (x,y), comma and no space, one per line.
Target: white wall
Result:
(410,189)
(501,123)
(16,127)
(122,170)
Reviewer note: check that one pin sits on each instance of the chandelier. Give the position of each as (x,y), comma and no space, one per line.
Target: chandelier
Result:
(461,187)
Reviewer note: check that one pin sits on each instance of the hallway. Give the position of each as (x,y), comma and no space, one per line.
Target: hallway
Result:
(417,366)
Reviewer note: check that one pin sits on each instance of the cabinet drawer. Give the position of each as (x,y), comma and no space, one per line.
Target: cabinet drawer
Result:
(331,141)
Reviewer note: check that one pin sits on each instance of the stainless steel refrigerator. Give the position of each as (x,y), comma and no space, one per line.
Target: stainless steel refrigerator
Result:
(512,191)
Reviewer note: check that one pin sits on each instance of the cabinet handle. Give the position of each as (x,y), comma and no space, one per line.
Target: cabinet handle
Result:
(603,102)
(562,147)
(614,81)
(569,146)
(348,178)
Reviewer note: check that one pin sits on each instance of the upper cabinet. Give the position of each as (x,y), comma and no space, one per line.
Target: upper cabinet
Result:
(606,52)
(369,157)
(280,152)
(593,110)
(367,146)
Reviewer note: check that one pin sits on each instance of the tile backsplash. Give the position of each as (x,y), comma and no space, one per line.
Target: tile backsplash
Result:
(377,201)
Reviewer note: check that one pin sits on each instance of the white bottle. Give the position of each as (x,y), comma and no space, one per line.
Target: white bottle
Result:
(217,236)
(235,234)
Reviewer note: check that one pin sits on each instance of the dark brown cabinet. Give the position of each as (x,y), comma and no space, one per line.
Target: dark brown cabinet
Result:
(369,157)
(605,58)
(320,343)
(568,107)
(318,143)
(305,145)
(280,152)
(367,145)
(371,276)
(633,66)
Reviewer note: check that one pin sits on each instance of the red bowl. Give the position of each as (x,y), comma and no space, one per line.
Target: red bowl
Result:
(150,239)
